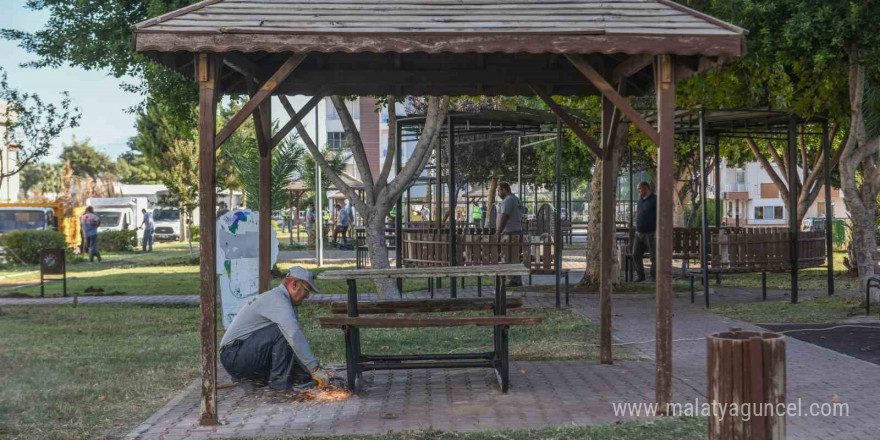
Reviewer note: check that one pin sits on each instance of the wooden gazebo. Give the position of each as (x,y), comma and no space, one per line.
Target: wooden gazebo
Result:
(266,48)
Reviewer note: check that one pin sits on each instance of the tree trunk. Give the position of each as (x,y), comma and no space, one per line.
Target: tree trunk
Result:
(183,231)
(378,251)
(857,165)
(590,281)
(493,188)
(678,209)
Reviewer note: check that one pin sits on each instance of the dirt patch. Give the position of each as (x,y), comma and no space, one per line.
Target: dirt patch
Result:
(862,342)
(97,291)
(15,295)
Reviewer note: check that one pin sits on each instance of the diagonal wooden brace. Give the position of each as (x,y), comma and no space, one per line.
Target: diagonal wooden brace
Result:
(296,117)
(569,121)
(608,92)
(259,98)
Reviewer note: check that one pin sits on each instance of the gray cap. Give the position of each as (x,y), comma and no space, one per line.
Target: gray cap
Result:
(303,274)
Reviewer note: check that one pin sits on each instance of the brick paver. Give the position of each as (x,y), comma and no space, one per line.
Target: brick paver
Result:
(542,393)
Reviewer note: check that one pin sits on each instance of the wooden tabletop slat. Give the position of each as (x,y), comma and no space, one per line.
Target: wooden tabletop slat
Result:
(423,306)
(408,322)
(427,272)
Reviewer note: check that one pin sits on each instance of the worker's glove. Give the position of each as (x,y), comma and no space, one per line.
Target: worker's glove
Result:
(321,376)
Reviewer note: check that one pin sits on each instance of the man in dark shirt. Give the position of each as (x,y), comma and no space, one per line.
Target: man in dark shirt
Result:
(646,225)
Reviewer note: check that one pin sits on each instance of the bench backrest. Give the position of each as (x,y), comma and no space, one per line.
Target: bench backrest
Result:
(431,248)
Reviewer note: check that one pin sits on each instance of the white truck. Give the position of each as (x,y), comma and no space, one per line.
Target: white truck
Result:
(166,222)
(119,213)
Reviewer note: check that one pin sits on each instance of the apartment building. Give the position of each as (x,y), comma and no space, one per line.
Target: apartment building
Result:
(750,196)
(9,186)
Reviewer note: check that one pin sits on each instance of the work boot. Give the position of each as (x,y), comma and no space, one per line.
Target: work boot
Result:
(298,388)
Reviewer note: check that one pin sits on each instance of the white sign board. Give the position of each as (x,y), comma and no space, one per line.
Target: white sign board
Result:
(238,260)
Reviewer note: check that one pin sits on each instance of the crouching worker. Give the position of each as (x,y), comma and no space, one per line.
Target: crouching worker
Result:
(265,343)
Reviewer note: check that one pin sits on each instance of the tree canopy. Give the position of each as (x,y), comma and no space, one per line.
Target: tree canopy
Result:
(85,160)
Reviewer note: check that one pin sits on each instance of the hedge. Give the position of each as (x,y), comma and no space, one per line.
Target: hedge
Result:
(117,241)
(24,246)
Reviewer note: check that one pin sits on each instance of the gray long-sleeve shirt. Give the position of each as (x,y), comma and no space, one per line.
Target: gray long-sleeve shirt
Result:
(272,307)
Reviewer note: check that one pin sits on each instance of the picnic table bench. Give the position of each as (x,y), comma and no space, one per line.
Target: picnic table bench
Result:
(405,314)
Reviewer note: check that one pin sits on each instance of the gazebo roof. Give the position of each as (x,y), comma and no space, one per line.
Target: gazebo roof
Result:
(301,185)
(479,47)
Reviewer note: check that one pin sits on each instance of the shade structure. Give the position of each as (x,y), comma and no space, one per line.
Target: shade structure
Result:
(266,48)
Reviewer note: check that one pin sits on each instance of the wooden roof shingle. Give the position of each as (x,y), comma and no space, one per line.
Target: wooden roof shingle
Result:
(434,26)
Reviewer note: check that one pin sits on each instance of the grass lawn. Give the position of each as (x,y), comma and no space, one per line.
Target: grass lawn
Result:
(100,370)
(684,428)
(817,310)
(87,372)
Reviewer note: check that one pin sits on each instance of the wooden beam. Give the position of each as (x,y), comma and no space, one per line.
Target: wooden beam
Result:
(664,72)
(264,92)
(295,117)
(569,121)
(264,227)
(608,230)
(608,91)
(631,66)
(208,74)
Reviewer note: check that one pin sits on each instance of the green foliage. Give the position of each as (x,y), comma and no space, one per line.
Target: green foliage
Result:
(193,233)
(132,167)
(32,124)
(96,35)
(168,146)
(42,176)
(244,155)
(307,171)
(85,160)
(24,246)
(117,241)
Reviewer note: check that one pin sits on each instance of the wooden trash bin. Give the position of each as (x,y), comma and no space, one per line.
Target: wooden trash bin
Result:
(746,368)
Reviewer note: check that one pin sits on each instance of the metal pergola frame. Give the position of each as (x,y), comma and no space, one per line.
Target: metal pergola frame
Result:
(764,124)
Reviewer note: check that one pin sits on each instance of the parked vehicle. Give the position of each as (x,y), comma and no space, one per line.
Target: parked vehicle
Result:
(119,213)
(40,216)
(166,222)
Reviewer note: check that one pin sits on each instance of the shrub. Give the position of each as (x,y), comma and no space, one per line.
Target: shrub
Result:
(194,232)
(25,246)
(117,241)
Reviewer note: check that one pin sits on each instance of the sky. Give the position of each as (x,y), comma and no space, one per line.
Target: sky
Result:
(103,104)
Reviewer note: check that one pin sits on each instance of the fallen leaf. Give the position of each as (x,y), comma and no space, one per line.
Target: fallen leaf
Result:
(834,398)
(102,397)
(389,416)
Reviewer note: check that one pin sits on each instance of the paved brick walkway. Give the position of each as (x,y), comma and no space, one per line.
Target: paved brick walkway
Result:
(542,393)
(814,375)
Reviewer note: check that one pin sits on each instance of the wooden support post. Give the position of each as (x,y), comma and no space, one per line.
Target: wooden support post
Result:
(263,130)
(208,75)
(791,161)
(607,232)
(664,73)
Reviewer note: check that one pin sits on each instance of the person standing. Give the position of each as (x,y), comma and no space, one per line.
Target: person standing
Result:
(90,223)
(646,226)
(148,230)
(311,218)
(344,220)
(510,228)
(477,214)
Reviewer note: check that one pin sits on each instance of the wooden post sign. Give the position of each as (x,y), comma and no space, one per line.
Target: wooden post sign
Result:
(747,370)
(53,262)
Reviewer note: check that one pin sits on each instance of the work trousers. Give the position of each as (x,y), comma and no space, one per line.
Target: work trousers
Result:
(340,229)
(92,245)
(645,242)
(147,240)
(265,355)
(512,254)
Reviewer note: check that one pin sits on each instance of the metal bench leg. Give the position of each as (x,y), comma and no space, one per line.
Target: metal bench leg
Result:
(480,287)
(567,288)
(350,373)
(764,285)
(530,278)
(431,286)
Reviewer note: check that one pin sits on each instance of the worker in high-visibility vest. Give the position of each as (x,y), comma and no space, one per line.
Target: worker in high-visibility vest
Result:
(477,215)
